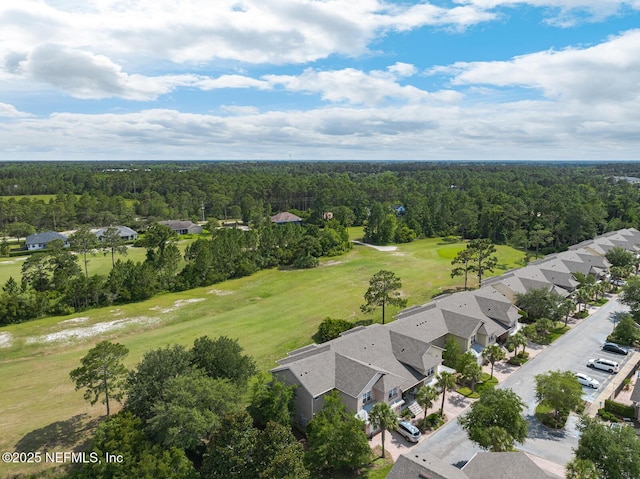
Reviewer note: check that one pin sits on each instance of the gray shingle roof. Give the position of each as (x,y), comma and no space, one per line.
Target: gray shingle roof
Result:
(44,238)
(420,465)
(504,465)
(122,231)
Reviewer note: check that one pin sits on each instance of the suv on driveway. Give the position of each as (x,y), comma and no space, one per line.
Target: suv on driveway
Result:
(409,431)
(604,364)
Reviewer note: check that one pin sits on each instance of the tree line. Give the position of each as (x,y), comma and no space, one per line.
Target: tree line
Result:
(56,281)
(543,207)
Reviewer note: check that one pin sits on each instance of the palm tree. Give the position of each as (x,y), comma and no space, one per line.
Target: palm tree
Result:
(426,397)
(499,439)
(492,354)
(565,308)
(516,340)
(382,417)
(446,381)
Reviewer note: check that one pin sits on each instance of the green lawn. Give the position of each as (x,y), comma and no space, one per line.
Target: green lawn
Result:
(271,312)
(99,263)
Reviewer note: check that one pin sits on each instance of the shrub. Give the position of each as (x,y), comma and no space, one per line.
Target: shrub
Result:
(518,360)
(618,409)
(433,421)
(331,328)
(607,416)
(544,413)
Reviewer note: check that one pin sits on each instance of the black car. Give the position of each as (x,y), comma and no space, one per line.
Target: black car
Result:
(614,348)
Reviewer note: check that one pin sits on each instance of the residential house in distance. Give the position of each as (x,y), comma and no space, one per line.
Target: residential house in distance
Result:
(125,233)
(482,465)
(39,241)
(285,217)
(182,227)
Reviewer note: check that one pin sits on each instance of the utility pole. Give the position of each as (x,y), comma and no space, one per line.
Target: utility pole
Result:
(202,208)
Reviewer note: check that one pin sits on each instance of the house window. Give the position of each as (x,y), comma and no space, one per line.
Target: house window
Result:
(366,397)
(473,339)
(393,393)
(430,371)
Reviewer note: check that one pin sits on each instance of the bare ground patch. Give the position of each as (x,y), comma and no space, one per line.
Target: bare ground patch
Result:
(5,340)
(379,248)
(178,304)
(89,331)
(331,263)
(220,292)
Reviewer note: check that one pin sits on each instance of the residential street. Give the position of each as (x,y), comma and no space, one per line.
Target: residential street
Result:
(570,352)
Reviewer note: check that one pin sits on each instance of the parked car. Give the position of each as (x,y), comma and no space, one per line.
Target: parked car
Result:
(618,282)
(604,364)
(615,348)
(409,431)
(587,381)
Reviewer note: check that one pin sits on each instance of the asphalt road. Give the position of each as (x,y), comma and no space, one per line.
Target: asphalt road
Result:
(569,352)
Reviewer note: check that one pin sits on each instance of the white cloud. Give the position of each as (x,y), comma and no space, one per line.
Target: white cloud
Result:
(354,86)
(89,76)
(252,31)
(10,111)
(604,73)
(563,13)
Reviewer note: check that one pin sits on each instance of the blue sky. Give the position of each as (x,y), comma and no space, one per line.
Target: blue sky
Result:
(320,79)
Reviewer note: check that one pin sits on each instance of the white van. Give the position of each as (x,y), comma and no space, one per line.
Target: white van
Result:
(409,431)
(604,364)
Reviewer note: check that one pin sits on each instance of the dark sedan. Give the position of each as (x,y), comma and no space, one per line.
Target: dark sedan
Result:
(615,348)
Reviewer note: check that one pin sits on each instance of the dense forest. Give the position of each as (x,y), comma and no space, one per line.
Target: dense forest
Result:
(501,202)
(529,206)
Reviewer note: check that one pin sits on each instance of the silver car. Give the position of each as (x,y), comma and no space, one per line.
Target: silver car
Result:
(409,431)
(587,381)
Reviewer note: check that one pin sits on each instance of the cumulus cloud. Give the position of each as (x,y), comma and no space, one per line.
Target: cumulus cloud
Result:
(10,111)
(607,72)
(86,75)
(563,13)
(355,86)
(251,31)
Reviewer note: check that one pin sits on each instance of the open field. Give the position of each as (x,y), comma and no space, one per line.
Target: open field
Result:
(99,263)
(271,312)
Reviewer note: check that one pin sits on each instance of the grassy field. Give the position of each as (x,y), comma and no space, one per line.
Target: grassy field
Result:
(271,312)
(98,264)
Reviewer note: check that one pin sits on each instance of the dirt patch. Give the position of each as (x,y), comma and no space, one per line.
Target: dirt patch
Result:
(331,263)
(81,320)
(5,340)
(177,305)
(89,331)
(220,292)
(379,248)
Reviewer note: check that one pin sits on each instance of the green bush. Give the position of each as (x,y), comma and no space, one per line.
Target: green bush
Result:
(331,328)
(607,416)
(518,360)
(433,421)
(547,416)
(621,410)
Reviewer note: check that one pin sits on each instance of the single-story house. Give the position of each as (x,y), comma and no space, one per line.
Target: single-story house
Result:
(285,217)
(482,465)
(40,241)
(183,227)
(125,233)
